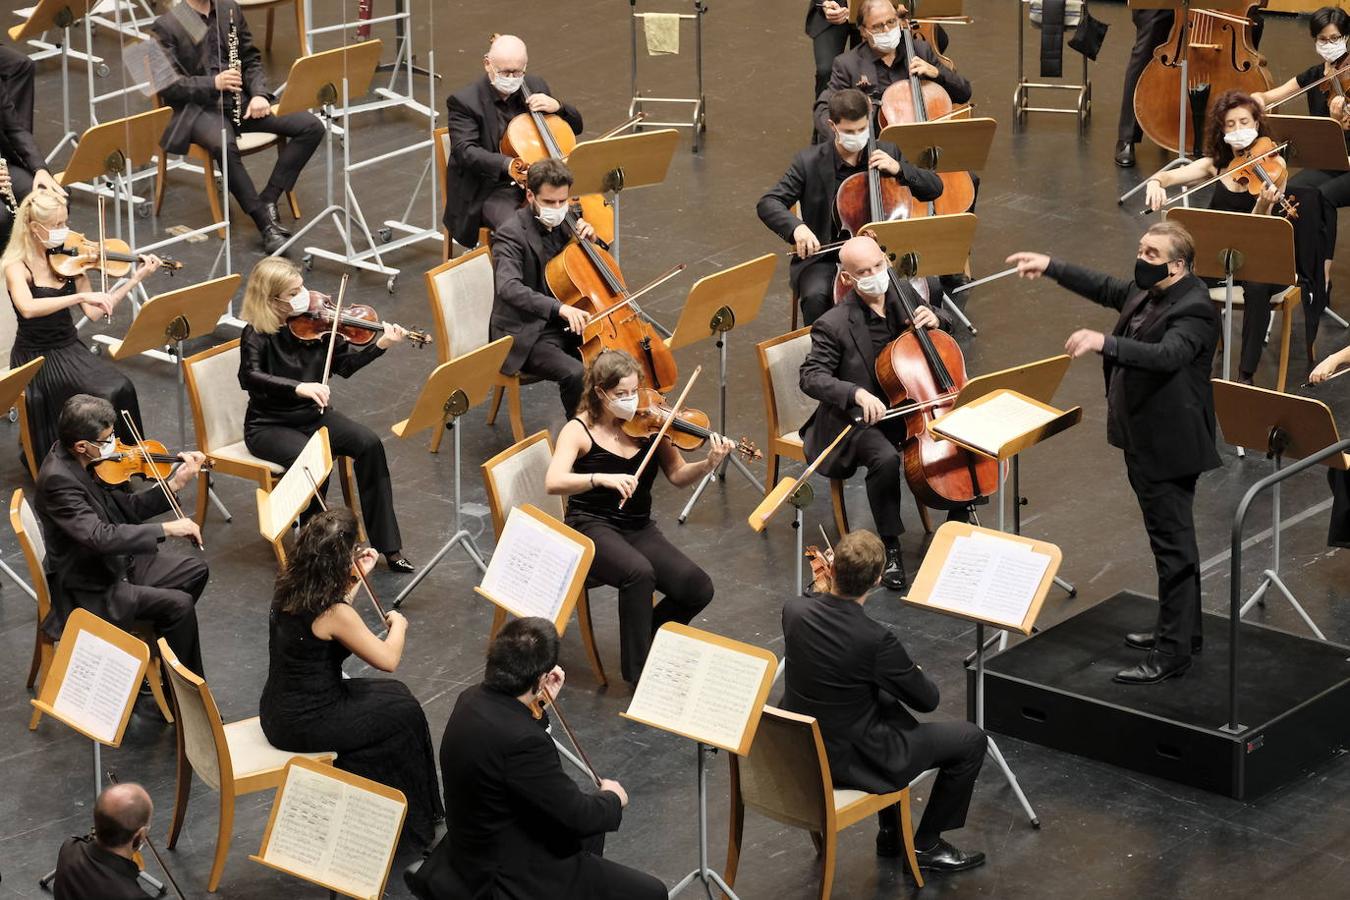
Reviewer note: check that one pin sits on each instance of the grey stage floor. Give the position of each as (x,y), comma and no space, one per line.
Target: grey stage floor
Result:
(1107,833)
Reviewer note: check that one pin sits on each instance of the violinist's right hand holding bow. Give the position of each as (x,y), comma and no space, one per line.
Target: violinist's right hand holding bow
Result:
(1155,195)
(1329,366)
(184,528)
(617,481)
(313,390)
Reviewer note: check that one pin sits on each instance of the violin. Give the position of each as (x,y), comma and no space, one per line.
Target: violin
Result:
(128,460)
(358,324)
(689,430)
(1253,174)
(1216,45)
(822,569)
(79,255)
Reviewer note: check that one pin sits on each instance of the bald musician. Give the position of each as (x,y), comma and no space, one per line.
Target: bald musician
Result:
(479,188)
(102,864)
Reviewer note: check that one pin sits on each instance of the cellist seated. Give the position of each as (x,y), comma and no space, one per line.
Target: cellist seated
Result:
(840,372)
(547,333)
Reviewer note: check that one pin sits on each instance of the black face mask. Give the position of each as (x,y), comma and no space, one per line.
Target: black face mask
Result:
(1147,274)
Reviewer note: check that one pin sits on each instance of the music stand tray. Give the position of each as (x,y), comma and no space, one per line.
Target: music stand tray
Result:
(13,381)
(613,165)
(315,80)
(1315,142)
(951,145)
(931,245)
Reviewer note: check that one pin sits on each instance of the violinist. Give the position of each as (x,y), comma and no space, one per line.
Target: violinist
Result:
(479,188)
(43,301)
(1329,26)
(595,465)
(881,60)
(288,399)
(1160,413)
(813,181)
(1236,121)
(547,333)
(840,373)
(103,554)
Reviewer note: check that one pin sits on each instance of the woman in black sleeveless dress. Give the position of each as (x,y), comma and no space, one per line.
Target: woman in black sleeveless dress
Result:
(42,303)
(376,725)
(595,465)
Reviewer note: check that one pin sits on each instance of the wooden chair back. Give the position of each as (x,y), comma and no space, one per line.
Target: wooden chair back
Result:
(29,533)
(201,733)
(460,292)
(516,476)
(786,408)
(786,775)
(218,402)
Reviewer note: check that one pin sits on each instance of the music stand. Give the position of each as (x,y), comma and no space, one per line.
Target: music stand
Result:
(612,165)
(109,150)
(716,304)
(60,14)
(454,388)
(931,245)
(1232,245)
(1288,427)
(951,145)
(12,384)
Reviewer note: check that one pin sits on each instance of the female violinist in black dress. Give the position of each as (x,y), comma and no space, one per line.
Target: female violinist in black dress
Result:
(43,301)
(287,401)
(594,465)
(375,724)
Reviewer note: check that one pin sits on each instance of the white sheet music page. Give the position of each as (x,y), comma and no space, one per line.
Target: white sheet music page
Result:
(990,578)
(293,492)
(99,683)
(989,425)
(533,566)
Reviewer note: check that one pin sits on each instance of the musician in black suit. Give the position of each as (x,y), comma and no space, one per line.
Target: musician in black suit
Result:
(547,333)
(517,825)
(831,33)
(27,169)
(17,72)
(839,371)
(479,188)
(881,60)
(813,180)
(1160,412)
(102,554)
(854,676)
(102,864)
(204,98)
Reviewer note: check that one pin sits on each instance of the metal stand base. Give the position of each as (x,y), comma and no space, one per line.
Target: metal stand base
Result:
(1271,577)
(992,749)
(1082,108)
(14,577)
(704,873)
(698,116)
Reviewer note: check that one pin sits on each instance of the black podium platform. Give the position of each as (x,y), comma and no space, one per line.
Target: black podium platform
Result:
(1055,689)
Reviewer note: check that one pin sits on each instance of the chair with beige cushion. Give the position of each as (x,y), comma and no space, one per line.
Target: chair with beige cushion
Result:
(786,776)
(1283,303)
(515,477)
(233,759)
(442,148)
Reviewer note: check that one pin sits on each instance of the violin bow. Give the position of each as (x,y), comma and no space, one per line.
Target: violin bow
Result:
(379,608)
(1204,184)
(332,336)
(1303,90)
(552,701)
(1332,377)
(144,451)
(112,779)
(645,289)
(665,427)
(103,253)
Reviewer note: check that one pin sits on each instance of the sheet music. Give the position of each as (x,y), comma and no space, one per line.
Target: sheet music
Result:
(99,684)
(989,425)
(698,689)
(533,566)
(334,833)
(990,578)
(293,492)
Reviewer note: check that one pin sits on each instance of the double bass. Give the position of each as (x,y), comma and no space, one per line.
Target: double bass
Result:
(1216,45)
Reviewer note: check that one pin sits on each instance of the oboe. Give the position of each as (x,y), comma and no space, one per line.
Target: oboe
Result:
(233,63)
(7,194)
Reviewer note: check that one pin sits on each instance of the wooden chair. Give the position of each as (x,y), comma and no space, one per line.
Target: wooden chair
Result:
(249,6)
(780,361)
(514,477)
(233,759)
(26,434)
(218,406)
(460,292)
(34,547)
(1283,303)
(786,776)
(442,148)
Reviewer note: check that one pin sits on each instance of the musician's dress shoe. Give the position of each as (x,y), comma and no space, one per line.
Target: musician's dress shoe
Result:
(270,210)
(943,857)
(1125,154)
(893,576)
(273,239)
(1156,667)
(1145,640)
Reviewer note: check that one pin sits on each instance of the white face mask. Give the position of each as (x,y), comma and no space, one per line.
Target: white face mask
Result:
(874,285)
(300,302)
(108,448)
(552,216)
(507,84)
(1331,52)
(623,408)
(888,41)
(854,143)
(1241,138)
(56,237)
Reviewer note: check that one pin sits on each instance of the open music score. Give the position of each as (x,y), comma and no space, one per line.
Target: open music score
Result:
(288,498)
(333,829)
(539,566)
(994,420)
(703,686)
(93,680)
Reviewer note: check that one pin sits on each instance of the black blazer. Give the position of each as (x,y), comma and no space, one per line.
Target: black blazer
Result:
(520,305)
(195,91)
(92,533)
(810,182)
(84,870)
(514,819)
(861,65)
(475,165)
(852,673)
(16,141)
(840,361)
(1168,414)
(817,24)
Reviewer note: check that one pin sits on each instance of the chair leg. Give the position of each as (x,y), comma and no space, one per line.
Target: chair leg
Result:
(496,403)
(26,436)
(513,409)
(837,501)
(182,791)
(827,861)
(735,830)
(36,665)
(294,202)
(1292,301)
(498,620)
(44,666)
(347,475)
(437,434)
(818,841)
(772,469)
(588,637)
(796,307)
(280,550)
(223,836)
(907,832)
(267,37)
(203,496)
(154,676)
(923,517)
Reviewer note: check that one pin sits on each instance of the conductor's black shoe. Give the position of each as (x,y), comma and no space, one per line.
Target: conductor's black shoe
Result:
(399,563)
(1156,667)
(1125,154)
(888,842)
(273,239)
(1145,640)
(943,857)
(893,576)
(270,210)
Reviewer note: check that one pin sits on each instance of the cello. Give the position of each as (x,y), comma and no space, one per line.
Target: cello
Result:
(1216,47)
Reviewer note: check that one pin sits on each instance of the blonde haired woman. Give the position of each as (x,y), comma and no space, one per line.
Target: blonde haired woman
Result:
(287,401)
(42,303)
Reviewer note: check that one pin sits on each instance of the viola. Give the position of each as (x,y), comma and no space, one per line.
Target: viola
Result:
(358,324)
(128,460)
(79,255)
(822,569)
(689,430)
(1252,174)
(1216,45)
